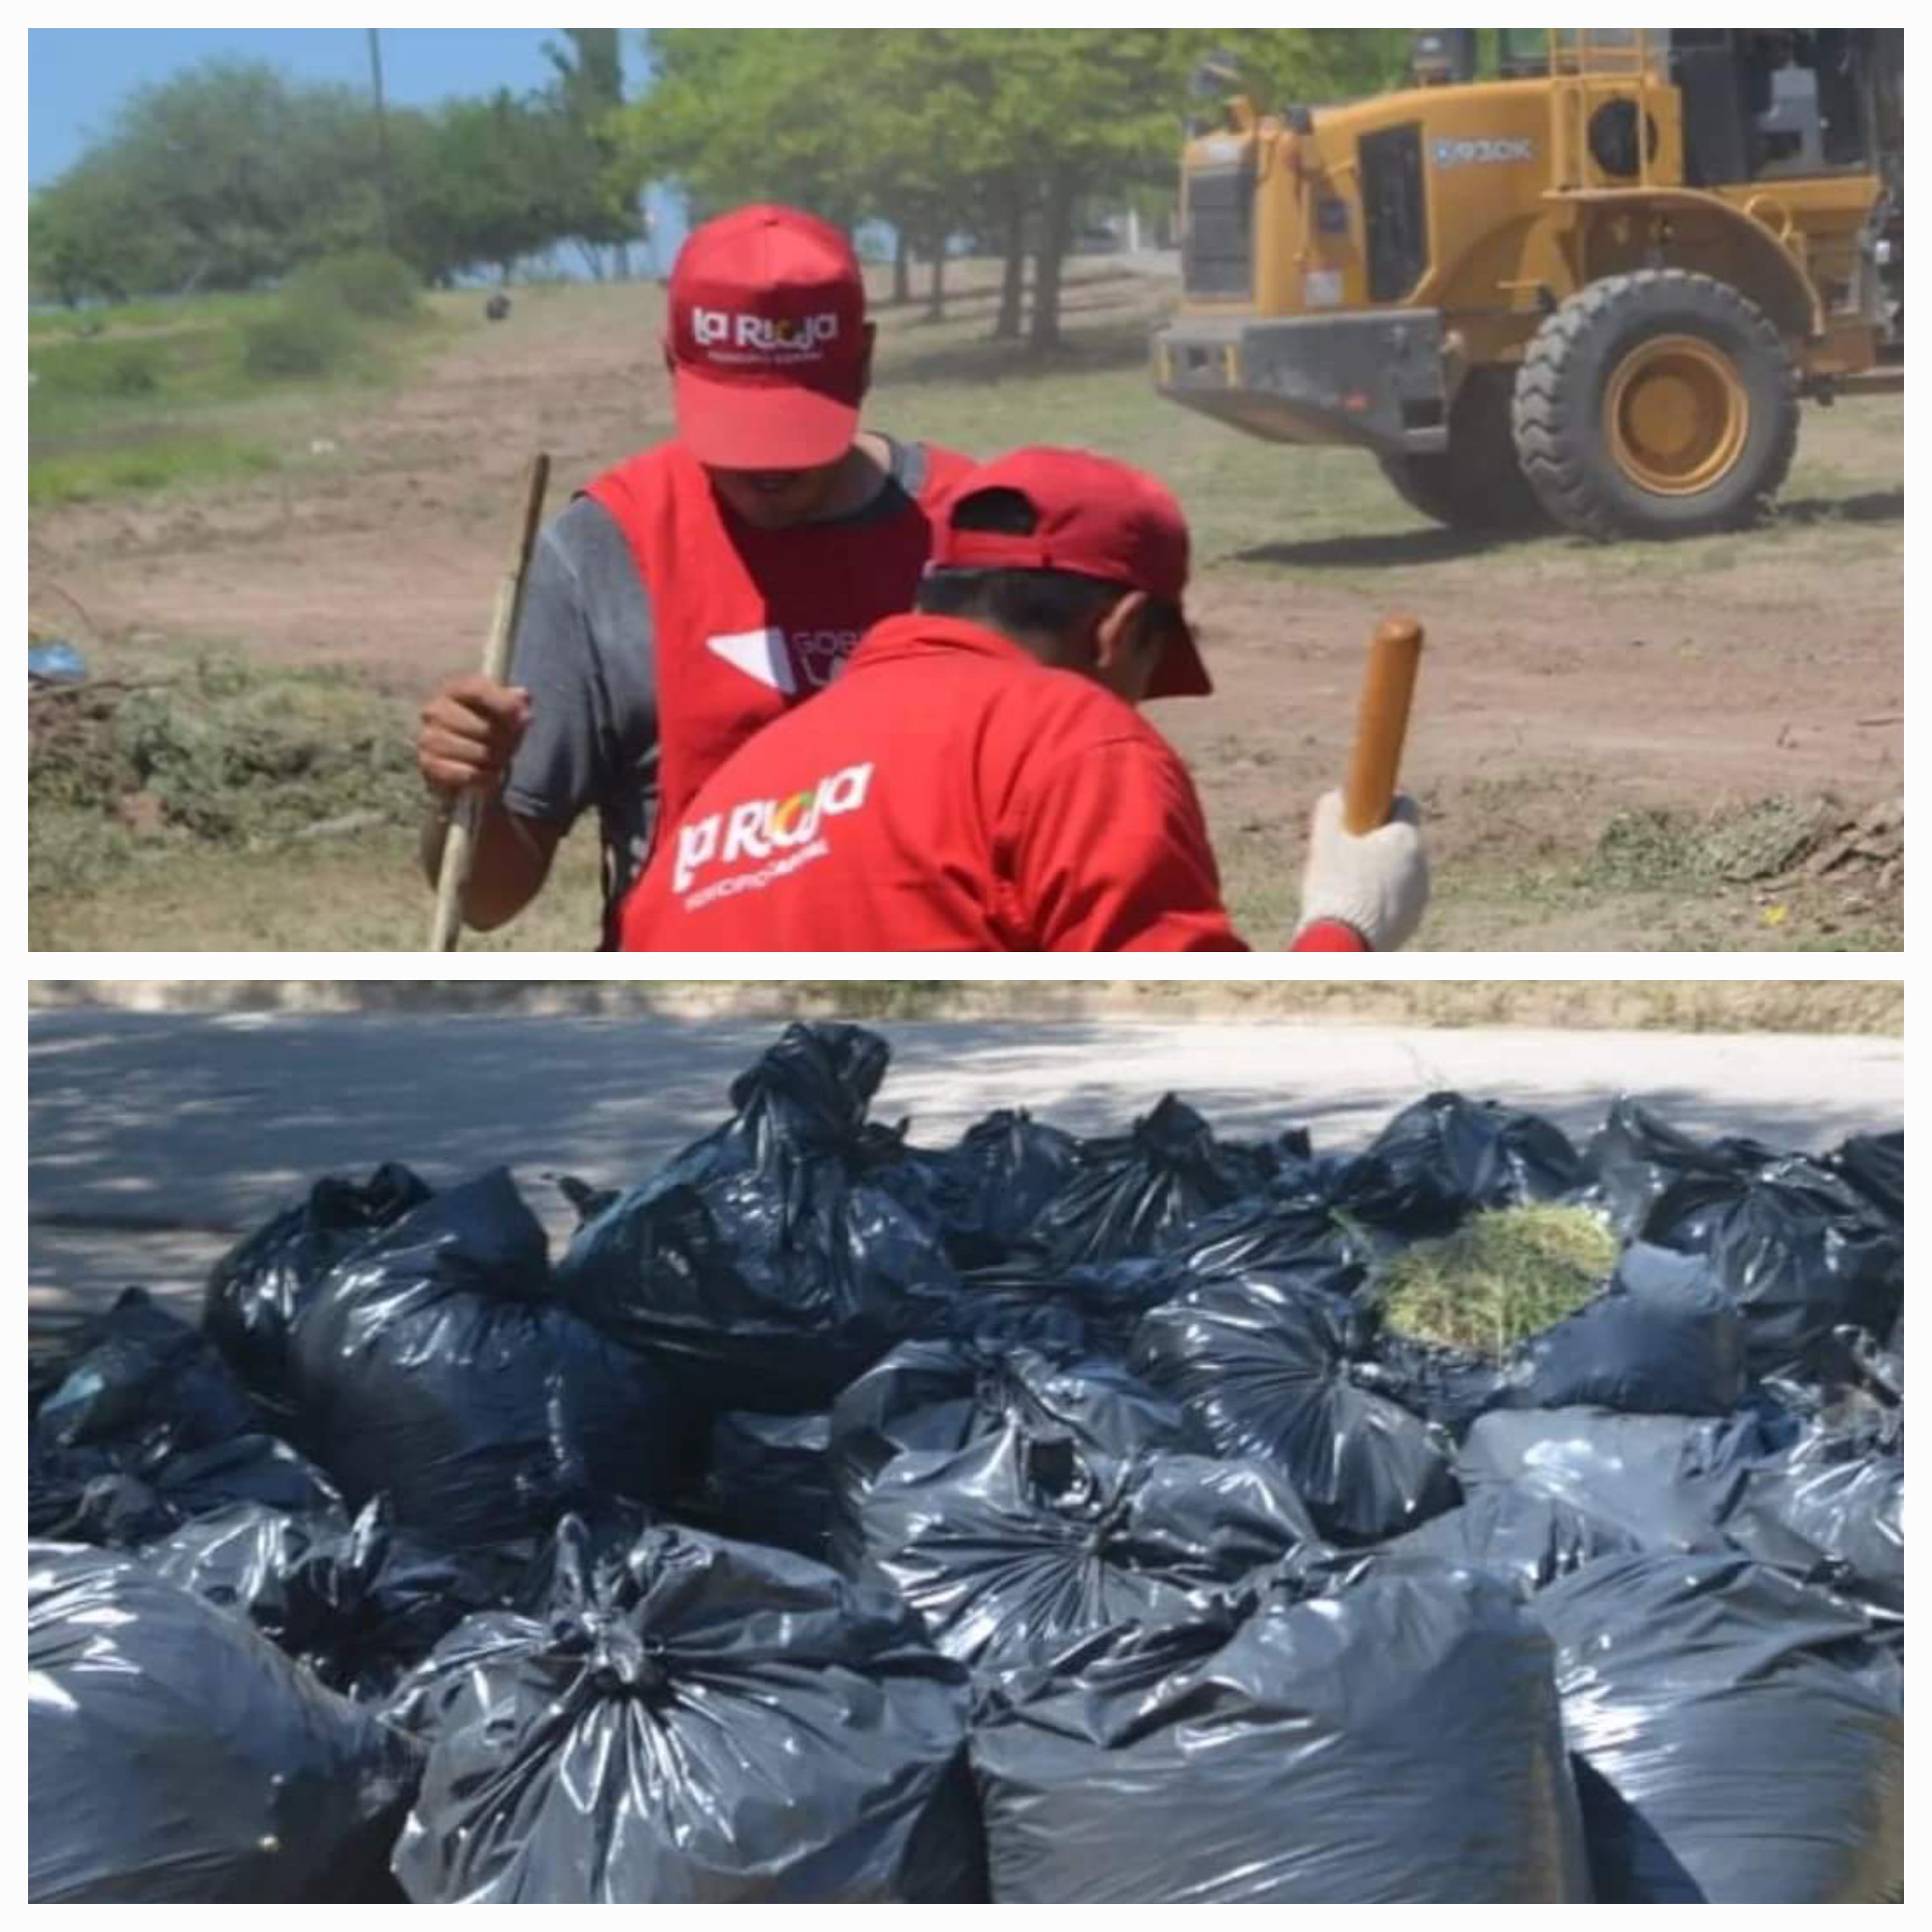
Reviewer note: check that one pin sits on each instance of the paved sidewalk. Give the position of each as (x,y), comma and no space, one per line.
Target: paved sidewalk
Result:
(157,1139)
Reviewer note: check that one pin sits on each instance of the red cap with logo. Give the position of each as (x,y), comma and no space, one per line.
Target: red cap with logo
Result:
(767,341)
(1095,517)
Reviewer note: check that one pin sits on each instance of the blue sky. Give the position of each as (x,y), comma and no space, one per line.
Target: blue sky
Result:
(76,77)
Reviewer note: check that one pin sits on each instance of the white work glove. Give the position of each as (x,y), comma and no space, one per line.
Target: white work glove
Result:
(1378,883)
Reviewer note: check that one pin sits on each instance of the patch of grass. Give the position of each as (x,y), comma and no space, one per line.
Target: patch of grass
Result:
(366,282)
(362,892)
(104,368)
(300,338)
(197,392)
(1500,1277)
(150,314)
(86,476)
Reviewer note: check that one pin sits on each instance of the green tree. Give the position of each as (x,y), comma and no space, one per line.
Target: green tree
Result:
(600,184)
(222,177)
(1280,66)
(854,125)
(87,238)
(487,184)
(734,116)
(1005,133)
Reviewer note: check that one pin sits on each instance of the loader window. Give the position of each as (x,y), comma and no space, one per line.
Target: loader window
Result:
(1808,97)
(1217,244)
(1522,53)
(1394,216)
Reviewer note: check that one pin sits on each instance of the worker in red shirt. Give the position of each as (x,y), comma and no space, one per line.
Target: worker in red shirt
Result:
(692,594)
(978,779)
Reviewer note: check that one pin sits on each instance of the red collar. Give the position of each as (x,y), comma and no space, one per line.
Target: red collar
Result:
(915,634)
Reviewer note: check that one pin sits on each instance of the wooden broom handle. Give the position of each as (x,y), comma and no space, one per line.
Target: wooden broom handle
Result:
(459,846)
(1381,724)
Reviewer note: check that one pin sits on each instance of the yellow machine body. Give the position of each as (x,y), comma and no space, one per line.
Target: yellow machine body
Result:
(1342,277)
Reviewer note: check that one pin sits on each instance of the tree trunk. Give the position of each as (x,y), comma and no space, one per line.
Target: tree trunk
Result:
(1012,280)
(901,271)
(1055,229)
(935,290)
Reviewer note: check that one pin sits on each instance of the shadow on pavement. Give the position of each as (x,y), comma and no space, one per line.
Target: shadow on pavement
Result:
(157,1138)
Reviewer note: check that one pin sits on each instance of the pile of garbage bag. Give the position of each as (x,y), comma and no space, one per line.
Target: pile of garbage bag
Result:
(1036,1518)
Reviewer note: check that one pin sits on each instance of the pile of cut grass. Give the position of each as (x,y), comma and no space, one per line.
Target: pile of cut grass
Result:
(216,753)
(1500,1277)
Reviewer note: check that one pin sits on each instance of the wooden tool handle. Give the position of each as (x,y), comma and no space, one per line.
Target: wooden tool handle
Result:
(1380,725)
(459,847)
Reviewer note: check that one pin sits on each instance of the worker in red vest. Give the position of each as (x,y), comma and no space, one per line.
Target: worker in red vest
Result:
(692,594)
(980,779)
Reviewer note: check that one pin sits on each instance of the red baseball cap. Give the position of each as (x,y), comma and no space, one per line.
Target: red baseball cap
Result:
(1095,518)
(767,341)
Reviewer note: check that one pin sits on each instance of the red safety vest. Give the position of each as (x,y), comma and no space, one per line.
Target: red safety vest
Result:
(749,623)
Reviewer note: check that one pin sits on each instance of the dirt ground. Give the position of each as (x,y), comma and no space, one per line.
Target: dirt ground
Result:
(1566,687)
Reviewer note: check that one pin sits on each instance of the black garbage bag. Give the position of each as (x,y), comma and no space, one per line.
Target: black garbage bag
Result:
(145,1383)
(148,1429)
(356,1602)
(1446,1387)
(1853,1367)
(703,1722)
(1133,1193)
(1635,1158)
(1020,1541)
(1521,1538)
(1831,1509)
(435,1366)
(1664,1339)
(939,1396)
(257,1289)
(1023,1306)
(1396,1740)
(1452,1157)
(173,1754)
(1306,1224)
(121,1497)
(1874,1164)
(992,1186)
(1034,1300)
(769,1263)
(1268,1368)
(1799,1249)
(1726,1752)
(1668,1481)
(768,1479)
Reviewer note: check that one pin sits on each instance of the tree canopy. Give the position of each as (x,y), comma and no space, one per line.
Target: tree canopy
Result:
(1000,133)
(229,176)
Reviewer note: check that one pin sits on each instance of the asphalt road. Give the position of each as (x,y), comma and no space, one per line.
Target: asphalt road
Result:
(158,1139)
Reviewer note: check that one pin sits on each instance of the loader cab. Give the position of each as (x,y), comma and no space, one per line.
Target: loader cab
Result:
(1762,104)
(1759,103)
(1443,57)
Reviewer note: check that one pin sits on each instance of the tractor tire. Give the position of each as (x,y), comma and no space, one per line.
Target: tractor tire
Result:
(1657,404)
(1477,484)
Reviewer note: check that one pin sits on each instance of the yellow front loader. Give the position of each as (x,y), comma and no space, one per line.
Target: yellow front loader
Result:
(1591,288)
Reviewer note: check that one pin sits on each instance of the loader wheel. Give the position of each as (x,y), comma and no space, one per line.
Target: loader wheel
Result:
(1476,483)
(1656,404)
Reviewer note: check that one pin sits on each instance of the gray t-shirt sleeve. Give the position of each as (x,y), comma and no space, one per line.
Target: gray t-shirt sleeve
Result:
(584,651)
